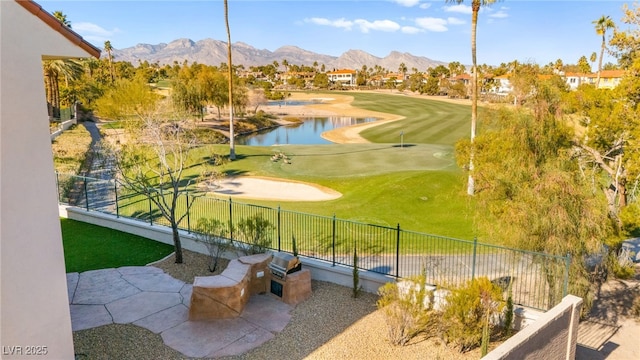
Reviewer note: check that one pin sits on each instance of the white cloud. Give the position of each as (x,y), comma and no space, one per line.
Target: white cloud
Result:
(339,23)
(432,24)
(500,15)
(89,29)
(425,6)
(455,21)
(380,25)
(459,8)
(407,3)
(410,30)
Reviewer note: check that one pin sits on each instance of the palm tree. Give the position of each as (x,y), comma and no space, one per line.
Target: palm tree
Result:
(232,146)
(593,57)
(602,25)
(108,48)
(475,9)
(52,70)
(62,18)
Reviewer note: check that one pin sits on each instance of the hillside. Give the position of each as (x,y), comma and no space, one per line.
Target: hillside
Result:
(214,52)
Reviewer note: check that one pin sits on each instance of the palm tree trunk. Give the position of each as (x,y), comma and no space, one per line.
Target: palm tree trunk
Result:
(474,93)
(600,61)
(232,146)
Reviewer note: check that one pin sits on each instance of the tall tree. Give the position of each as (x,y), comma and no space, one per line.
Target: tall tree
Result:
(602,25)
(232,146)
(475,9)
(53,69)
(109,49)
(532,194)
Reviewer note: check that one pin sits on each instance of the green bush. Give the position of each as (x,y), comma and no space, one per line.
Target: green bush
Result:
(255,232)
(408,312)
(213,234)
(621,265)
(468,310)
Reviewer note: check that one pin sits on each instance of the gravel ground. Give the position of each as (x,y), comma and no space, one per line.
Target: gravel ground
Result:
(329,325)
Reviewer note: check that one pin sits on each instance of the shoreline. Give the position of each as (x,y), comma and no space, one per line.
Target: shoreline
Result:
(340,105)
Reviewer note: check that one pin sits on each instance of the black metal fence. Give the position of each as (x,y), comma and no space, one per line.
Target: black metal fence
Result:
(538,280)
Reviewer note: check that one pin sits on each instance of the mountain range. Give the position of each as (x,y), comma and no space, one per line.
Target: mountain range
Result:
(214,52)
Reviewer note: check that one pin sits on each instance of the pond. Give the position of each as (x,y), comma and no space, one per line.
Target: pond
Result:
(306,133)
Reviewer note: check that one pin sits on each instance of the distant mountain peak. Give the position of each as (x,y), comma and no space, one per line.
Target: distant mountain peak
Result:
(213,52)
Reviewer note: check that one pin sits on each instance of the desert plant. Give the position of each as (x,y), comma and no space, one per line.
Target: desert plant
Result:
(213,234)
(408,310)
(468,310)
(356,275)
(294,245)
(255,232)
(508,314)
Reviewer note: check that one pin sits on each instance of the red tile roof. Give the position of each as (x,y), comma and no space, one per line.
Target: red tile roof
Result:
(56,25)
(343,71)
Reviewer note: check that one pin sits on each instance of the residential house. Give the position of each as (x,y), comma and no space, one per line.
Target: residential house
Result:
(576,79)
(35,305)
(609,79)
(345,77)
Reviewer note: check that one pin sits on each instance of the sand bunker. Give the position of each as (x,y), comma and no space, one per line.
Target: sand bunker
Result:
(273,189)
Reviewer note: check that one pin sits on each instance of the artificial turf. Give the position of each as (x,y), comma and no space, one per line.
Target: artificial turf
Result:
(91,247)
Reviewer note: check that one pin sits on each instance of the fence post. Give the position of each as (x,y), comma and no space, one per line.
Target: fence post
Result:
(230,219)
(333,240)
(86,194)
(150,211)
(473,264)
(186,193)
(398,251)
(58,186)
(115,189)
(279,231)
(567,264)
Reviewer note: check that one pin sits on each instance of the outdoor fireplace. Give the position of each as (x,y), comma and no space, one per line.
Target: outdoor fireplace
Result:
(289,282)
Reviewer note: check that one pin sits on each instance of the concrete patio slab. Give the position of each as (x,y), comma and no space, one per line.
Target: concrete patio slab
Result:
(206,337)
(147,297)
(102,287)
(89,316)
(247,342)
(267,312)
(72,283)
(154,282)
(141,305)
(165,319)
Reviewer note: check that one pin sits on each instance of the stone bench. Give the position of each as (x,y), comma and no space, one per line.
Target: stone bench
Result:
(225,295)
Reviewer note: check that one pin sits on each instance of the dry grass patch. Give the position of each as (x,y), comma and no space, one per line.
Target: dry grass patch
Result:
(70,149)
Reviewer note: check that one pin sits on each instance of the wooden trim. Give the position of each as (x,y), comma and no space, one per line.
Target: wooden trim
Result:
(56,25)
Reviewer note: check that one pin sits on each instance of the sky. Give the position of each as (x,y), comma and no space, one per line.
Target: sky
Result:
(537,31)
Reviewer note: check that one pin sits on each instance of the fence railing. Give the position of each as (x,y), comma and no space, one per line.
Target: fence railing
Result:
(537,280)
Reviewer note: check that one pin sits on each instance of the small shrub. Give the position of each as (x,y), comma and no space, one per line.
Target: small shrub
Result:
(508,314)
(255,232)
(294,245)
(408,313)
(468,310)
(213,234)
(356,275)
(621,265)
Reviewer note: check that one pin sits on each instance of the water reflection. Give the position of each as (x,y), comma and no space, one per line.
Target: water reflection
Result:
(307,133)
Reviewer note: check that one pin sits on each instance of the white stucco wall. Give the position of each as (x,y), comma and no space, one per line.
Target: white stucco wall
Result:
(34,308)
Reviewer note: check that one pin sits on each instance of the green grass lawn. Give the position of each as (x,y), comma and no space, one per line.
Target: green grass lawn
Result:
(91,247)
